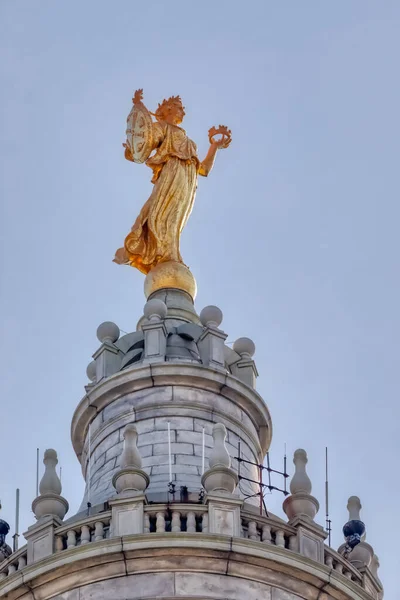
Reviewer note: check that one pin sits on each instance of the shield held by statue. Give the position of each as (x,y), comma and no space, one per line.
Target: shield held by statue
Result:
(139,133)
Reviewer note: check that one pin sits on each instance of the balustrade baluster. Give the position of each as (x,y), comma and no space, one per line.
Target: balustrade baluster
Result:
(266,534)
(176,521)
(59,543)
(293,543)
(3,575)
(71,538)
(347,574)
(146,527)
(85,535)
(98,531)
(11,569)
(338,567)
(279,539)
(160,523)
(21,562)
(329,561)
(204,523)
(191,522)
(252,531)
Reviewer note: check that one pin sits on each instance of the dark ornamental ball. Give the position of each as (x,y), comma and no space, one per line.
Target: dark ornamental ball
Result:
(4,527)
(353,531)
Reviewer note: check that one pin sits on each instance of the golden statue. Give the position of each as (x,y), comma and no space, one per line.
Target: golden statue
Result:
(154,237)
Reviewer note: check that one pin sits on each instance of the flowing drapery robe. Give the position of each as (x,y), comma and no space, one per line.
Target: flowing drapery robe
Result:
(156,232)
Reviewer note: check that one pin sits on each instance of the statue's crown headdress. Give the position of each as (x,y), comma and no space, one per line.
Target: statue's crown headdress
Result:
(167,105)
(172,101)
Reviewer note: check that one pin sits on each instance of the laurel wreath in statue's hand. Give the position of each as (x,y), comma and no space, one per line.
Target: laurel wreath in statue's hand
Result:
(222,142)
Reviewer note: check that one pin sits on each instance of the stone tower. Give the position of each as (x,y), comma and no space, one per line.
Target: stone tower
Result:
(164,514)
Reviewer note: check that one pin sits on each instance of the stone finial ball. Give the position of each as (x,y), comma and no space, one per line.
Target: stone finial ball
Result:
(244,345)
(91,370)
(155,308)
(108,332)
(300,454)
(130,428)
(211,316)
(50,454)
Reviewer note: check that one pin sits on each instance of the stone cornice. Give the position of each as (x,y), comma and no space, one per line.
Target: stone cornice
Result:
(170,374)
(58,572)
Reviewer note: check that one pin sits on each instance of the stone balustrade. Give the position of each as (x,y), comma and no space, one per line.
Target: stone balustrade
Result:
(92,529)
(268,531)
(335,561)
(13,563)
(191,518)
(181,518)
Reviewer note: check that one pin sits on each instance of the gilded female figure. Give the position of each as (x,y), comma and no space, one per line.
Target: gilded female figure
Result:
(154,237)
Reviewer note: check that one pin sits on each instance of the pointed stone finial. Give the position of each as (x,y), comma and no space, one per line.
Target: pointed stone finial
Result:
(300,503)
(130,478)
(50,482)
(300,480)
(130,456)
(219,456)
(219,477)
(50,501)
(357,551)
(354,507)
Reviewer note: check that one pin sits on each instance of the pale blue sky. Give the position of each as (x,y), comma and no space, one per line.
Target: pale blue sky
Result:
(294,234)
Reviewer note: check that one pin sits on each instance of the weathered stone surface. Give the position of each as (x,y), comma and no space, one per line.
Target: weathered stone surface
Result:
(113,452)
(193,437)
(176,422)
(175,449)
(69,595)
(207,585)
(179,469)
(130,587)
(279,594)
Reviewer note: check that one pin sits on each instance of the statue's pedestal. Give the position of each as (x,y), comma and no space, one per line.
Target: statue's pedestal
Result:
(170,274)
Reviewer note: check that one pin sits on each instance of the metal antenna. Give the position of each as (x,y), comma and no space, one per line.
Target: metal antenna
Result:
(89,472)
(328,521)
(16,534)
(37,472)
(284,470)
